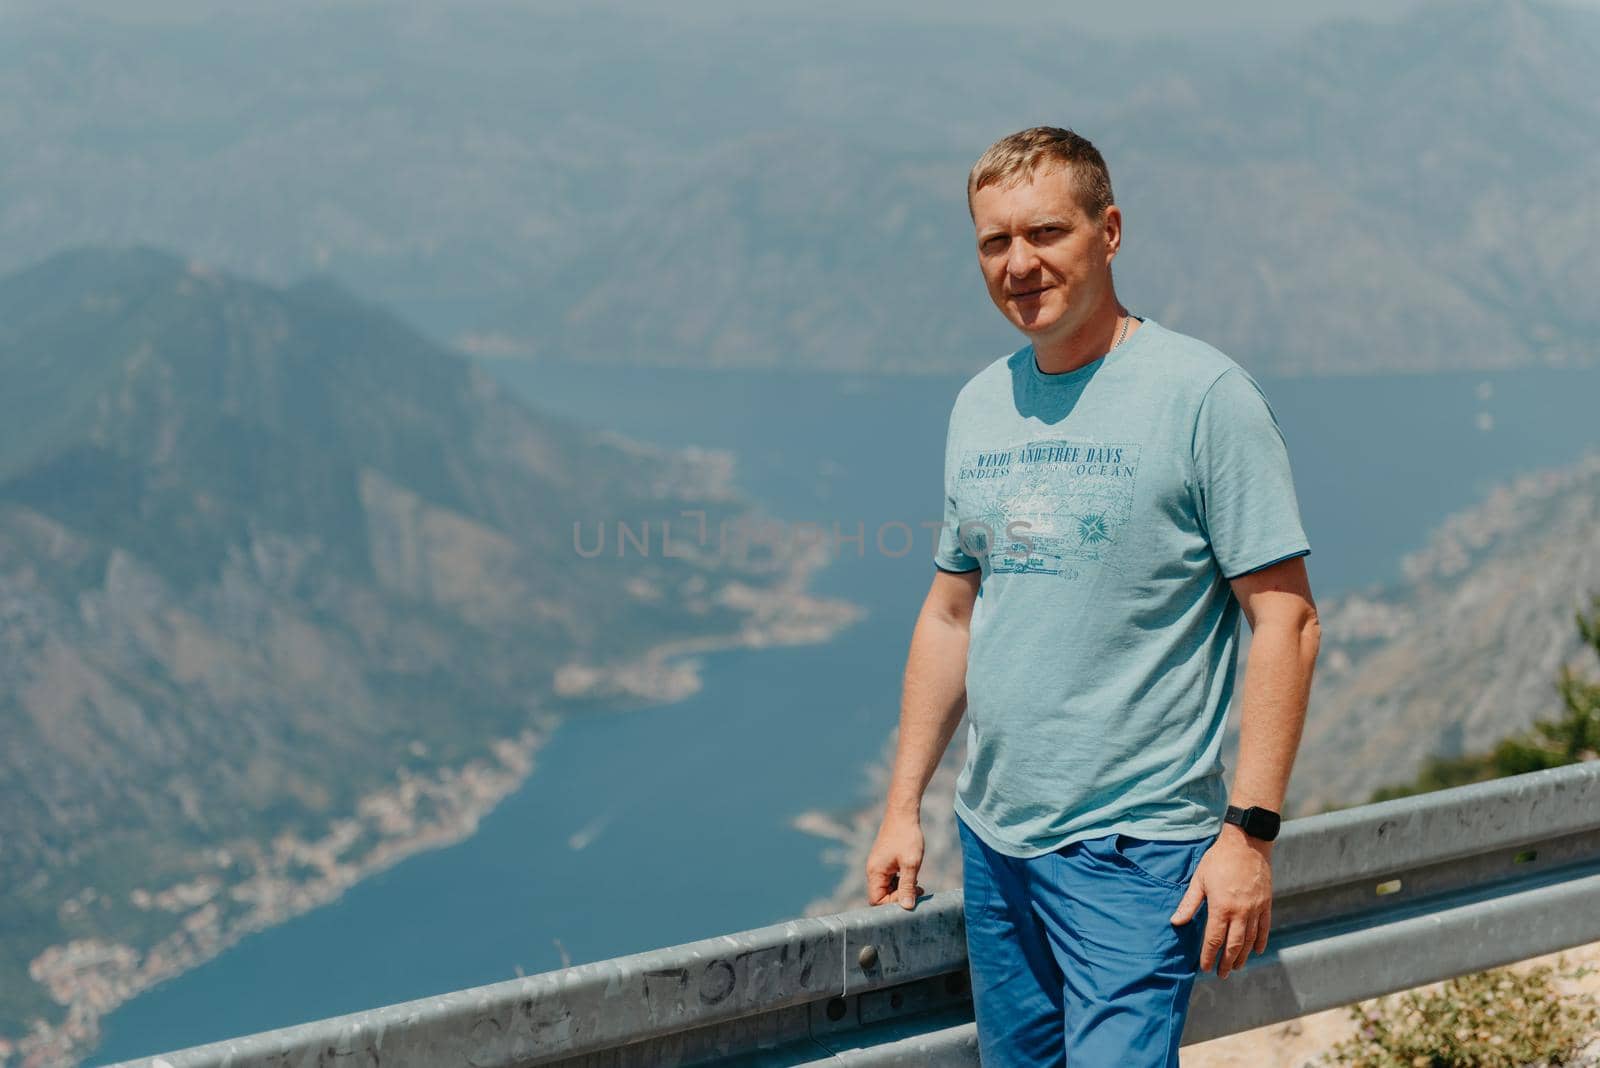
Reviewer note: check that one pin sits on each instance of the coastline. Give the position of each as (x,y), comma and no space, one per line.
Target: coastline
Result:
(93,977)
(854,829)
(782,614)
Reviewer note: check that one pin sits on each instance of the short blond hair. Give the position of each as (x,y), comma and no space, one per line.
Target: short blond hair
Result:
(1016,156)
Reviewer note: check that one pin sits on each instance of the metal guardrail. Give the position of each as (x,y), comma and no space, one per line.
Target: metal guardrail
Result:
(1367,901)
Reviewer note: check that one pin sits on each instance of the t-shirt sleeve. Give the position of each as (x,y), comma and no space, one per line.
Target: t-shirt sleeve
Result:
(1243,487)
(948,554)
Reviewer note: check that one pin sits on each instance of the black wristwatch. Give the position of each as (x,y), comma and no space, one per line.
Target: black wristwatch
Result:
(1255,821)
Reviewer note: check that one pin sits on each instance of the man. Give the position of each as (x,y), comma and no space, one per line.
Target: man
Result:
(1117,494)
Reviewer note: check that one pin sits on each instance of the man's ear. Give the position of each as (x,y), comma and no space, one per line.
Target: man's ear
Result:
(1112,227)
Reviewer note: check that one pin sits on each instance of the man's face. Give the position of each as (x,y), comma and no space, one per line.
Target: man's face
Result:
(1046,263)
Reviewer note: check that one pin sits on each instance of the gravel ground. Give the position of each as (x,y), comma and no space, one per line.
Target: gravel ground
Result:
(1300,1043)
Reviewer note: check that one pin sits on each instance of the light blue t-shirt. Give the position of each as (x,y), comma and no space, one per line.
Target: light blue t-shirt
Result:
(1108,507)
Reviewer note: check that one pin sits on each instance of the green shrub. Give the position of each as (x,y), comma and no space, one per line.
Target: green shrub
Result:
(1550,743)
(1494,1019)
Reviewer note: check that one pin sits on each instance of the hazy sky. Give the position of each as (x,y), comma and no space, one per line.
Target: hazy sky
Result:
(1269,18)
(1127,16)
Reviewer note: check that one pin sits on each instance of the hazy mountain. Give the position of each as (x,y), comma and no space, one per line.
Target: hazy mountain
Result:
(1466,651)
(287,591)
(754,190)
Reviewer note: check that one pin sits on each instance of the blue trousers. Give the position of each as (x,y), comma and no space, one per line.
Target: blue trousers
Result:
(1073,958)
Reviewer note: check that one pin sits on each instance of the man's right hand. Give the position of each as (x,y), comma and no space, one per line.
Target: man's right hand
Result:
(894,860)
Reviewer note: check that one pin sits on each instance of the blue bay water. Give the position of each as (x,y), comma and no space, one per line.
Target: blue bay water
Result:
(683,810)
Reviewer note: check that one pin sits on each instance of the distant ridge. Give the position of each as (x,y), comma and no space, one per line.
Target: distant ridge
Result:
(1364,197)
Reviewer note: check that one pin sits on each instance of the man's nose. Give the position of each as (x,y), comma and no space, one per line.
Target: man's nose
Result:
(1023,260)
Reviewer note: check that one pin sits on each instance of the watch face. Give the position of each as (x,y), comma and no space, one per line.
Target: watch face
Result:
(1255,821)
(1260,822)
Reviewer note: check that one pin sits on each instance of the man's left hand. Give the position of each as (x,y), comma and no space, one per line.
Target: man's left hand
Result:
(1235,877)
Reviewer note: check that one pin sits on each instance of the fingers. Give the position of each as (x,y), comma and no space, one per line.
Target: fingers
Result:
(1241,936)
(1216,938)
(878,880)
(909,889)
(1229,942)
(893,861)
(884,883)
(1191,902)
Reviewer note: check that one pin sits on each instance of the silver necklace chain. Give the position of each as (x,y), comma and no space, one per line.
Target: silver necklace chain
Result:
(1122,336)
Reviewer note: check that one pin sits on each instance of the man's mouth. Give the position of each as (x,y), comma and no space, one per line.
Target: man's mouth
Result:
(1029,292)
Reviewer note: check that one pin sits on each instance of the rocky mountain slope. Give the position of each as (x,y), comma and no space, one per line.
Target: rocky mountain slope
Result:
(286,592)
(1466,651)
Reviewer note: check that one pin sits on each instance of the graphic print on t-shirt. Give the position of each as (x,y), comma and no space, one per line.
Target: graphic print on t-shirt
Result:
(1046,507)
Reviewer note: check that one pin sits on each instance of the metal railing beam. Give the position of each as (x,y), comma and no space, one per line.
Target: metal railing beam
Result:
(1367,901)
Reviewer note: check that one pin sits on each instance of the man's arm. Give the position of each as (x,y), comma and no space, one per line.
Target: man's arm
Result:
(1284,638)
(933,697)
(1235,877)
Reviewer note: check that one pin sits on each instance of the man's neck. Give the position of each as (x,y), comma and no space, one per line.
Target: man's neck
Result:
(1092,340)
